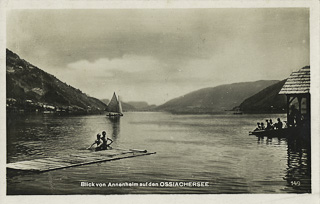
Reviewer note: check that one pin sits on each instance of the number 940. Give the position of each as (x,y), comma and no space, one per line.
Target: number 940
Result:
(295,183)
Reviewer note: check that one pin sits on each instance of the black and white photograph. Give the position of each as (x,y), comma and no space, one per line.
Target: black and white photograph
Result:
(160,101)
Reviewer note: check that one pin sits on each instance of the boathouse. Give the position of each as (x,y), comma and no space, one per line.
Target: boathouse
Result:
(297,90)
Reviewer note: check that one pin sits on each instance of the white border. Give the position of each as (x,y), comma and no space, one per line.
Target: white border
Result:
(220,198)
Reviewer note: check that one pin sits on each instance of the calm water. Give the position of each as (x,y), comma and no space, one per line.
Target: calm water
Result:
(190,148)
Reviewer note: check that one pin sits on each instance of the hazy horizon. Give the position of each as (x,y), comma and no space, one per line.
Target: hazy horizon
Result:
(155,55)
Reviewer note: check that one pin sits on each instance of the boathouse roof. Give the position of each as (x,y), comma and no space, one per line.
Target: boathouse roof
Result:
(298,82)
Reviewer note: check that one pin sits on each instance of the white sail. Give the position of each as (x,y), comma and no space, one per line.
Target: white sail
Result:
(120,106)
(114,106)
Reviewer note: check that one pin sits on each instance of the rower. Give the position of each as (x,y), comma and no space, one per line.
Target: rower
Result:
(271,124)
(279,124)
(268,125)
(258,127)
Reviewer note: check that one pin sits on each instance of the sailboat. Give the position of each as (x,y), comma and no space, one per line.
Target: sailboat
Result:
(114,107)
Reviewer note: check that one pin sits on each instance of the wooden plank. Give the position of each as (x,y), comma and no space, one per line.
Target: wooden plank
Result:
(18,166)
(40,164)
(31,166)
(77,158)
(85,156)
(47,164)
(25,163)
(50,162)
(103,160)
(117,157)
(45,167)
(67,159)
(109,154)
(88,156)
(57,159)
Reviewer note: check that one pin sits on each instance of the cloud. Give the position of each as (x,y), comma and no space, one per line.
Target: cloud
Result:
(126,64)
(155,54)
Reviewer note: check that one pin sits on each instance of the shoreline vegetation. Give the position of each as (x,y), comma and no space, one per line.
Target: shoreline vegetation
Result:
(28,106)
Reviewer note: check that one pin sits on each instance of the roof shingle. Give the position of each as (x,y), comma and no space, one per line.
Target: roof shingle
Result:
(298,82)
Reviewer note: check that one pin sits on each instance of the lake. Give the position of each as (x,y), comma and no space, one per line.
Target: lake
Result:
(213,149)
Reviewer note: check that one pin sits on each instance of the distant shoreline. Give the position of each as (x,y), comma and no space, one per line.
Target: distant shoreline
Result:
(226,112)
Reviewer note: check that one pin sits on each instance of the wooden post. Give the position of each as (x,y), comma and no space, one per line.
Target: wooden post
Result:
(288,106)
(299,100)
(308,106)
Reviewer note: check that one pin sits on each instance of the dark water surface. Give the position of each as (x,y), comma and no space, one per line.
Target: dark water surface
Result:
(190,148)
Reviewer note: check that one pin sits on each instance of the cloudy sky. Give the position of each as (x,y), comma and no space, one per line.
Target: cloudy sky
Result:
(154,55)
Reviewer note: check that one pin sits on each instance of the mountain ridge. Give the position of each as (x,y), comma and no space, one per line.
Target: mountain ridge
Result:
(215,99)
(32,89)
(267,100)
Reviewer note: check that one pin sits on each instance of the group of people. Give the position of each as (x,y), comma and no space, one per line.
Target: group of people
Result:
(101,142)
(270,125)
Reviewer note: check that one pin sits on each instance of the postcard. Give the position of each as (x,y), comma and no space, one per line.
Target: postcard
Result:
(160,101)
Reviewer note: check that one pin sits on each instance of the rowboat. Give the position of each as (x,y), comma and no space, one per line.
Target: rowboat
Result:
(284,132)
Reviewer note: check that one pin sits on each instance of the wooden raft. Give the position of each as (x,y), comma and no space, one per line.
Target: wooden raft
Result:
(54,163)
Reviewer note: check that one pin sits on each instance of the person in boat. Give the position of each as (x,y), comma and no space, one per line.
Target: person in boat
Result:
(279,124)
(97,142)
(268,125)
(258,127)
(262,126)
(271,124)
(104,145)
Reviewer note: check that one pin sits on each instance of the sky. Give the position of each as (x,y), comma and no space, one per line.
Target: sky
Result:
(155,55)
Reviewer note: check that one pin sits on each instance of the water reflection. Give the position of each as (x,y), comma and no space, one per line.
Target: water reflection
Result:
(298,170)
(115,126)
(298,174)
(193,148)
(271,140)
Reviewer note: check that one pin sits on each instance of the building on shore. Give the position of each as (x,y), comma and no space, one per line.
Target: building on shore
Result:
(297,91)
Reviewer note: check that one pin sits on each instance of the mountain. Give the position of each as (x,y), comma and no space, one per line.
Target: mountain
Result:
(105,101)
(215,99)
(127,107)
(266,101)
(141,105)
(30,88)
(138,104)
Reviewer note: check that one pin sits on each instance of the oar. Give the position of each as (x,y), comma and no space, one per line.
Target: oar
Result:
(139,150)
(89,147)
(133,150)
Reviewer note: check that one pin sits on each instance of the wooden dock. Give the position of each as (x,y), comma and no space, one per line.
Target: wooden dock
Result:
(72,160)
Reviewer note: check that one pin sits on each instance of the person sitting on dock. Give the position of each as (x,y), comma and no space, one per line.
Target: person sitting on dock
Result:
(279,124)
(98,142)
(104,145)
